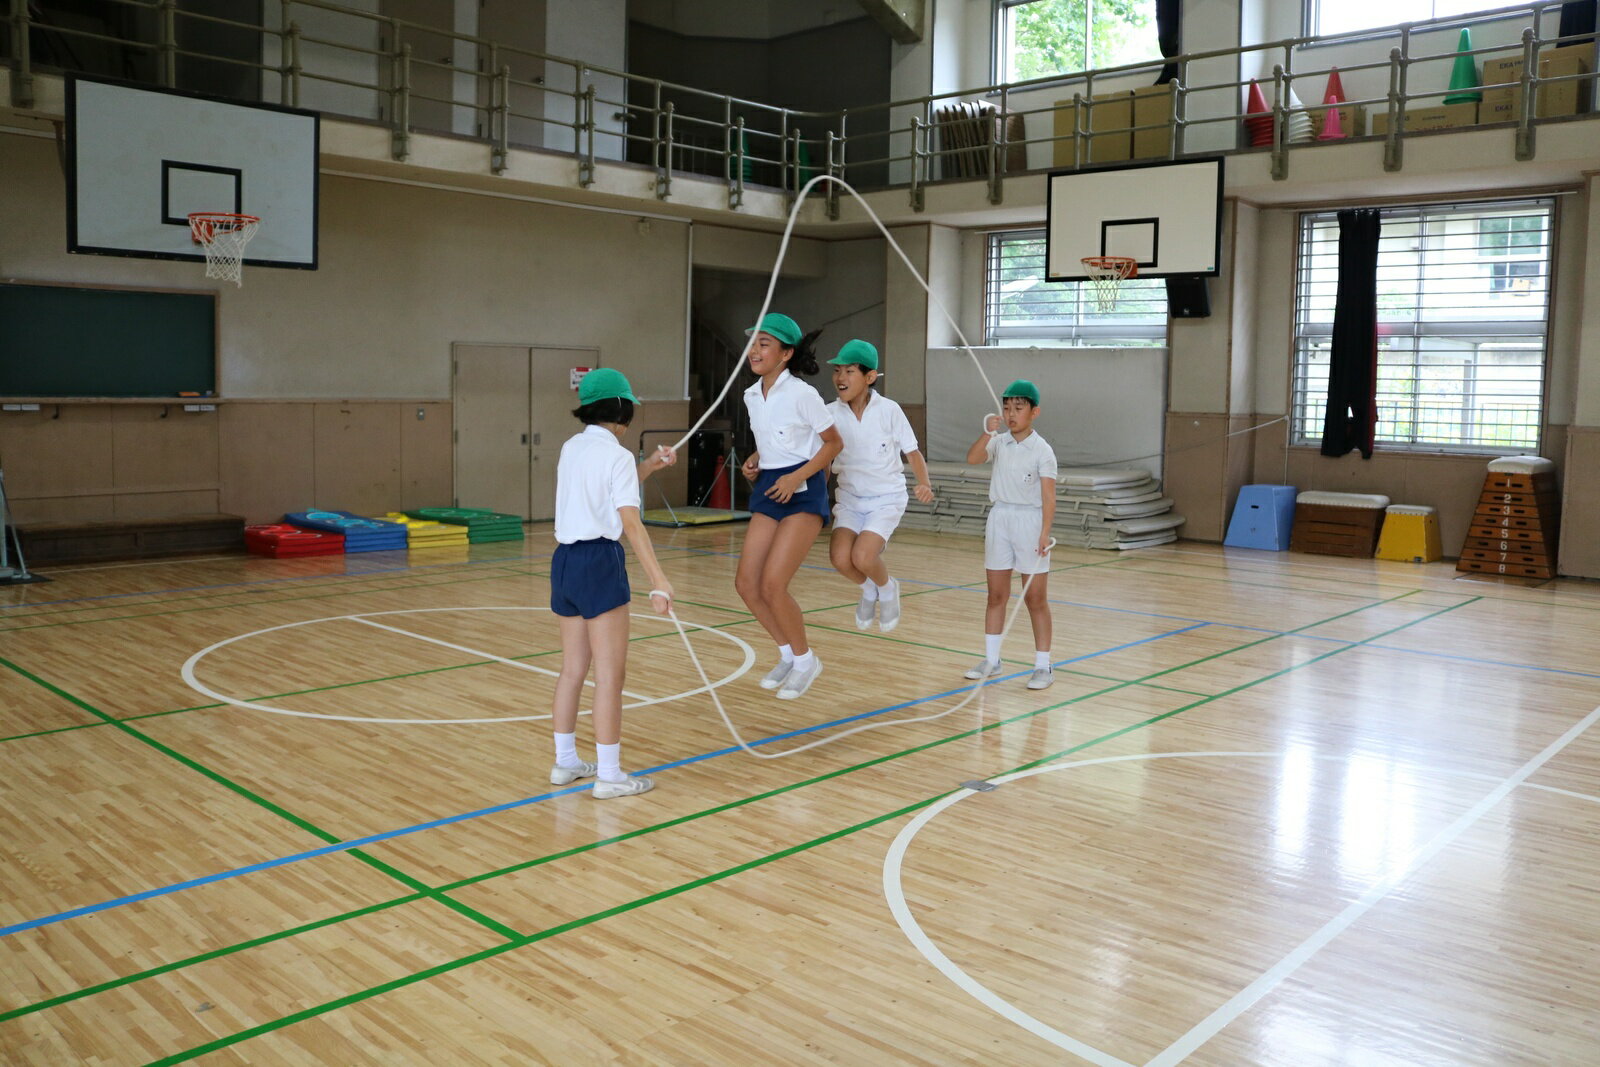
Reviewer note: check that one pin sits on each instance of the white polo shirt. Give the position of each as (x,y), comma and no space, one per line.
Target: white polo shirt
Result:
(870,463)
(788,421)
(1018,467)
(594,478)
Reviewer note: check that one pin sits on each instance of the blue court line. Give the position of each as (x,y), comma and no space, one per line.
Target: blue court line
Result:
(1486,662)
(347,573)
(345,846)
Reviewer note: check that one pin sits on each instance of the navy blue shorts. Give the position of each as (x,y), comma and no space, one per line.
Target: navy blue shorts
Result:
(813,501)
(588,578)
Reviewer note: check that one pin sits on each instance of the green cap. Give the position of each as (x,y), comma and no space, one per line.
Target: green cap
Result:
(603,383)
(1023,388)
(861,353)
(782,327)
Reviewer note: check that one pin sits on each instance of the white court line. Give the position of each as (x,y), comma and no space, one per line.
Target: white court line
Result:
(546,671)
(1245,998)
(188,671)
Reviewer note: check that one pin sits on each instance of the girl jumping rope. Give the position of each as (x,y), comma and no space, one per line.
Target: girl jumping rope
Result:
(795,442)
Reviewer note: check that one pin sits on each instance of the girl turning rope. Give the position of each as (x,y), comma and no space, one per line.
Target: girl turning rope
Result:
(795,442)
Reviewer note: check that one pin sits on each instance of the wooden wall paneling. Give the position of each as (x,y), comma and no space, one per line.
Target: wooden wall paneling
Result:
(426,479)
(266,460)
(134,506)
(1452,485)
(60,450)
(660,415)
(357,457)
(1580,504)
(1194,470)
(163,447)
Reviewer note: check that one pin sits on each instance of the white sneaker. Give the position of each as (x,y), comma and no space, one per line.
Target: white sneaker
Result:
(986,668)
(866,611)
(889,607)
(630,786)
(560,775)
(799,681)
(1041,678)
(776,675)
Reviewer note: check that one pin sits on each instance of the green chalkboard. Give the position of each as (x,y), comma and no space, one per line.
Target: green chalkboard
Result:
(71,341)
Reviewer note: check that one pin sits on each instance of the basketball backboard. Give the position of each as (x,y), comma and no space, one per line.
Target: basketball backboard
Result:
(140,159)
(1166,215)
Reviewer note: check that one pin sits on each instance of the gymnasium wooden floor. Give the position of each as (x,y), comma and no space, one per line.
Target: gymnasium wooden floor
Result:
(1277,809)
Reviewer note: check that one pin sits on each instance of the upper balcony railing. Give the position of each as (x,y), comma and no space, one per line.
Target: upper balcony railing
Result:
(414,78)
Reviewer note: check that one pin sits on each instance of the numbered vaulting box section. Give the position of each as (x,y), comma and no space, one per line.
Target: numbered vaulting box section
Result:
(1514,529)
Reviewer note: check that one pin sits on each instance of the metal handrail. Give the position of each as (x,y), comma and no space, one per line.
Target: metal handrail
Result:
(774,143)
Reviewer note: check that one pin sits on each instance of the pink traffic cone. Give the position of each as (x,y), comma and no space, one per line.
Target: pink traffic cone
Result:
(1332,126)
(1335,90)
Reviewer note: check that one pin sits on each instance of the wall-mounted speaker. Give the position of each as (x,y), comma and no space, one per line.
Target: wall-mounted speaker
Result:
(1188,296)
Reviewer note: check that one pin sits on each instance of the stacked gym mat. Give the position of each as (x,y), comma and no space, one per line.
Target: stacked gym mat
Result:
(424,533)
(279,540)
(360,534)
(482,525)
(1106,509)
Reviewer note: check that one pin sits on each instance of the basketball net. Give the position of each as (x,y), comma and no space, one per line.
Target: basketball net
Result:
(1106,274)
(223,237)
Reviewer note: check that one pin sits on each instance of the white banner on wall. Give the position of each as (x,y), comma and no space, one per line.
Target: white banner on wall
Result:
(1101,406)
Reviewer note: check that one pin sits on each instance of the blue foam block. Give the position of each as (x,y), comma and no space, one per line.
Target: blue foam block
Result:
(1262,518)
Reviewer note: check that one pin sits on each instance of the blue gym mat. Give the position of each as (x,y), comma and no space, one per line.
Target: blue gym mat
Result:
(360,534)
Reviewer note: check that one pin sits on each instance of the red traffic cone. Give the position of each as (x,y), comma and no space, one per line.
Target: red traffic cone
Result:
(1332,126)
(1335,90)
(1256,102)
(1257,117)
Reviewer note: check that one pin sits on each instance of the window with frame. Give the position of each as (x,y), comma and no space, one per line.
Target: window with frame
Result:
(1038,38)
(1021,308)
(1326,17)
(1463,309)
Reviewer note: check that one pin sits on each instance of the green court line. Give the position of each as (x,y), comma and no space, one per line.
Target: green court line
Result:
(696,883)
(261,801)
(718,809)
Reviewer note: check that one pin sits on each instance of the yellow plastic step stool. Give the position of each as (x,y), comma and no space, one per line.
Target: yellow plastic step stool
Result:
(1410,534)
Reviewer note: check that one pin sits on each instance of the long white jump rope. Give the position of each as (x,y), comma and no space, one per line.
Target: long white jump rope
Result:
(978,686)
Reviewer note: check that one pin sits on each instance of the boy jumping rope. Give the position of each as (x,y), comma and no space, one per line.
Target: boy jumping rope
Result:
(597,501)
(871,496)
(1016,537)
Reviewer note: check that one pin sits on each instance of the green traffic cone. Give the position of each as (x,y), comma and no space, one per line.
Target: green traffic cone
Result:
(1464,75)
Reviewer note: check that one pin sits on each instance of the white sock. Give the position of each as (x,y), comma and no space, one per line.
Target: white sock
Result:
(610,758)
(805,660)
(1041,660)
(991,647)
(567,750)
(869,590)
(886,590)
(786,653)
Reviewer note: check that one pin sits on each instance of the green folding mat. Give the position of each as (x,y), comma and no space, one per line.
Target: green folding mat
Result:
(482,524)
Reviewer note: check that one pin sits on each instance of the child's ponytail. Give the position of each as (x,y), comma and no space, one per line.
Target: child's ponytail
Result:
(804,360)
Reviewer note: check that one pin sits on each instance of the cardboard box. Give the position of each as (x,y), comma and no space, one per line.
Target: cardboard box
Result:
(1152,106)
(1417,119)
(1564,98)
(1352,119)
(1109,120)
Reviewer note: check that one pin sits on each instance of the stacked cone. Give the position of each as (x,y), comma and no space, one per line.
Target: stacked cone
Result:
(1297,125)
(1332,97)
(1464,75)
(1257,118)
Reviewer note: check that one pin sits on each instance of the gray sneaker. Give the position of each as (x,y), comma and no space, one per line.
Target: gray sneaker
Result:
(889,607)
(799,681)
(776,675)
(866,611)
(560,775)
(986,668)
(1041,678)
(630,786)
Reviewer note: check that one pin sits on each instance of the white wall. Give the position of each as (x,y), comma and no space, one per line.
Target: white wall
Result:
(594,31)
(405,271)
(327,60)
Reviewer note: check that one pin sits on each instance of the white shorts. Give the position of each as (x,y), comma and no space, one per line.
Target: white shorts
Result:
(870,514)
(1011,539)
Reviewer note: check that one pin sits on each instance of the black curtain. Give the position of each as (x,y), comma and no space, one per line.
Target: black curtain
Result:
(1351,418)
(1169,35)
(1577,16)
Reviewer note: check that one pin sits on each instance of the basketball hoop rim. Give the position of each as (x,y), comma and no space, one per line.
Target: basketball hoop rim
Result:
(1121,267)
(206,224)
